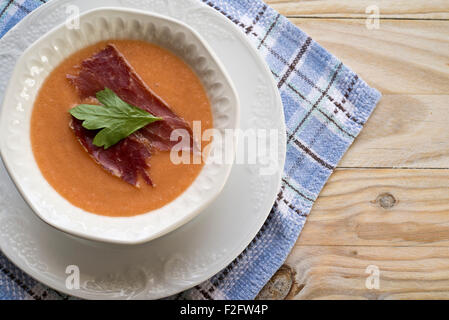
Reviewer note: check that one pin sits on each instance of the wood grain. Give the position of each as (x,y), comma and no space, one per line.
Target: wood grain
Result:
(401,57)
(387,204)
(387,207)
(427,9)
(406,131)
(339,272)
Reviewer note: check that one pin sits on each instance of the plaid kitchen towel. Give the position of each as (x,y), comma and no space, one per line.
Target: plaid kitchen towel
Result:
(325,106)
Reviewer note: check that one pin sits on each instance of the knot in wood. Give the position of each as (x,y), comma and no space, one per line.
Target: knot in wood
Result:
(279,286)
(386,200)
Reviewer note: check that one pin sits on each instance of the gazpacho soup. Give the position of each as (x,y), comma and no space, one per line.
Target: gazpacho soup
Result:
(102,121)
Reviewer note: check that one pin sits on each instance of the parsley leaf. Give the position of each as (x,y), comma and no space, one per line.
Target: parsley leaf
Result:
(115,117)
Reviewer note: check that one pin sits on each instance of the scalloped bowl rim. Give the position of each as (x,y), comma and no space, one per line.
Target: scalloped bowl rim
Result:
(132,240)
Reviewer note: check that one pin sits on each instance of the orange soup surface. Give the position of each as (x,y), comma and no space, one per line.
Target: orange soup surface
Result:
(70,169)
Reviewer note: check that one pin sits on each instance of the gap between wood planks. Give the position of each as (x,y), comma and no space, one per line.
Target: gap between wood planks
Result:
(395,168)
(347,9)
(362,18)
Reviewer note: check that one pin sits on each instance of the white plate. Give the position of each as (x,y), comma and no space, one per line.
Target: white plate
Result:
(190,254)
(46,54)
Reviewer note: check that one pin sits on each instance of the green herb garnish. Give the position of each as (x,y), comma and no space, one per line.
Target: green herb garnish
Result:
(115,117)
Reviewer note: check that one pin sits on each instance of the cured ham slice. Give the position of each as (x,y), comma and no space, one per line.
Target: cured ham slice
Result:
(129,158)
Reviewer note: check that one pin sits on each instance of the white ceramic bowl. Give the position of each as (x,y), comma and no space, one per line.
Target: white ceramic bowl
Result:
(51,49)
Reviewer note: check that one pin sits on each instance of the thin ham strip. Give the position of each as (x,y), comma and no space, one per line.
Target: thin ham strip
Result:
(130,157)
(127,159)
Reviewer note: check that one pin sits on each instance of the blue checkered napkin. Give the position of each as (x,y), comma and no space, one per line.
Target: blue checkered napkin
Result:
(12,12)
(325,106)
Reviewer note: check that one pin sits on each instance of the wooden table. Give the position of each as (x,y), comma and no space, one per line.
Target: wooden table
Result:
(386,206)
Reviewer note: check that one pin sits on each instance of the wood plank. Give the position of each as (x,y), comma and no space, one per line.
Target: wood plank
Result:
(404,131)
(336,272)
(372,216)
(381,207)
(427,9)
(401,57)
